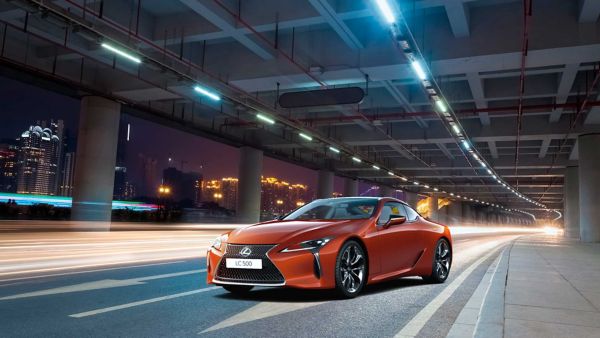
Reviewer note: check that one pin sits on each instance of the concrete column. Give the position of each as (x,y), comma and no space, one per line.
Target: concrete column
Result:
(248,196)
(385,191)
(455,213)
(589,187)
(95,159)
(433,208)
(350,187)
(411,199)
(325,184)
(571,202)
(466,212)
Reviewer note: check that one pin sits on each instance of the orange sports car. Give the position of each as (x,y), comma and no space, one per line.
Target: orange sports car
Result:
(341,243)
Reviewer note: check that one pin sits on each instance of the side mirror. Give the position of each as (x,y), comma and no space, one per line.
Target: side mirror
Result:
(396,221)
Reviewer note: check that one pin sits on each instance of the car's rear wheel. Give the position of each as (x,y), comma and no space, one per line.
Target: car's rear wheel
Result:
(442,261)
(350,269)
(238,289)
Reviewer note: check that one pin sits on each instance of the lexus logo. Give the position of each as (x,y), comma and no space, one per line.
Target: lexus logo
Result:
(246,251)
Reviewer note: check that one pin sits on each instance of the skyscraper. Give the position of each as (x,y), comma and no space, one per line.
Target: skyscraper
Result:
(8,167)
(38,160)
(68,172)
(122,189)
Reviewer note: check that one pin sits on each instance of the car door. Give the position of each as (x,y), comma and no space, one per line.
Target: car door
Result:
(399,242)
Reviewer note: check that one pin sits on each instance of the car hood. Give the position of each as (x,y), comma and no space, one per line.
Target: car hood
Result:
(277,232)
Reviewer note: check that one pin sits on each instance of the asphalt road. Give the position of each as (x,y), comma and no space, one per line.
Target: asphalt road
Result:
(147,285)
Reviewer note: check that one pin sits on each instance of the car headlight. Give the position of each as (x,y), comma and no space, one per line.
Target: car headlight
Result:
(313,245)
(219,241)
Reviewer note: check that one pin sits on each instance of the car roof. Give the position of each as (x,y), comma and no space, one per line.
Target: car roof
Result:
(363,197)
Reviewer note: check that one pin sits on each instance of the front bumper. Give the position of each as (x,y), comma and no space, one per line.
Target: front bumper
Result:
(300,269)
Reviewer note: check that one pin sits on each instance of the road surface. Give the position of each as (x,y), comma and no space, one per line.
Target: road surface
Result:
(142,284)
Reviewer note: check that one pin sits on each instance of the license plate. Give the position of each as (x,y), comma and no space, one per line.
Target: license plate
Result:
(234,263)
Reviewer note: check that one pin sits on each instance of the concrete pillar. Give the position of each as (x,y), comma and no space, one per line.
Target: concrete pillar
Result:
(433,208)
(411,199)
(248,196)
(571,202)
(325,184)
(95,159)
(589,187)
(466,212)
(350,187)
(455,213)
(385,191)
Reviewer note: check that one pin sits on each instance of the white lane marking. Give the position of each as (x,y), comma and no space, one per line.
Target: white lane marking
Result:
(86,266)
(142,302)
(412,328)
(100,284)
(260,311)
(86,271)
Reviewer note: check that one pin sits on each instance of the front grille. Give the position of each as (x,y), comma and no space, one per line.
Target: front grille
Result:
(269,274)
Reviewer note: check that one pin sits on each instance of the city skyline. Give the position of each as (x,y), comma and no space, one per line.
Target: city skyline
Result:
(143,161)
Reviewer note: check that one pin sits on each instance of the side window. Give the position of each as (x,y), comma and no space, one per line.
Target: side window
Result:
(412,214)
(397,209)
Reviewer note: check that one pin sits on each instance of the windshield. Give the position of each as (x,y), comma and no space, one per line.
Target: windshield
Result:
(338,208)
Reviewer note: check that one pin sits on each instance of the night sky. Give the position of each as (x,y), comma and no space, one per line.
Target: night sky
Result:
(22,104)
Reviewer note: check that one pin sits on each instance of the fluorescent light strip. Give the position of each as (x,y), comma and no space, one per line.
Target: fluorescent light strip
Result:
(386,11)
(265,118)
(375,167)
(456,129)
(404,179)
(419,70)
(121,53)
(441,106)
(391,173)
(466,144)
(306,137)
(356,159)
(335,150)
(207,93)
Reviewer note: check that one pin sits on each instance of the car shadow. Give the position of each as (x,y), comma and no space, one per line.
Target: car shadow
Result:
(291,295)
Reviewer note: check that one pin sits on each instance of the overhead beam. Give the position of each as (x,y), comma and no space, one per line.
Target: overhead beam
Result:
(472,64)
(337,24)
(564,88)
(493,148)
(458,15)
(210,14)
(589,10)
(544,147)
(445,150)
(476,85)
(574,156)
(403,100)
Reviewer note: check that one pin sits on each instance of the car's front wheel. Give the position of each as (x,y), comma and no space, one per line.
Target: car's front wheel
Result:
(350,269)
(442,261)
(238,289)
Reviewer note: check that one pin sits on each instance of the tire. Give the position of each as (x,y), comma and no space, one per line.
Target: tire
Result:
(238,289)
(350,270)
(442,262)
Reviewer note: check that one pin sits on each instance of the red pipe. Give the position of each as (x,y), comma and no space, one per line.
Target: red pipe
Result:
(464,112)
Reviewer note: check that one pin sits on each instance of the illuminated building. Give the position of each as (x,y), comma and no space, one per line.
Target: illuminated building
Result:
(68,172)
(277,196)
(280,197)
(222,192)
(8,167)
(38,161)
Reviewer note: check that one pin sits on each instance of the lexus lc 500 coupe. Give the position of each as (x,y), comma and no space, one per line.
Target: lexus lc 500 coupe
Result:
(338,243)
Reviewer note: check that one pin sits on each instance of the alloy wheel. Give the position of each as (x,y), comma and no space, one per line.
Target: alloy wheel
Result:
(443,258)
(352,268)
